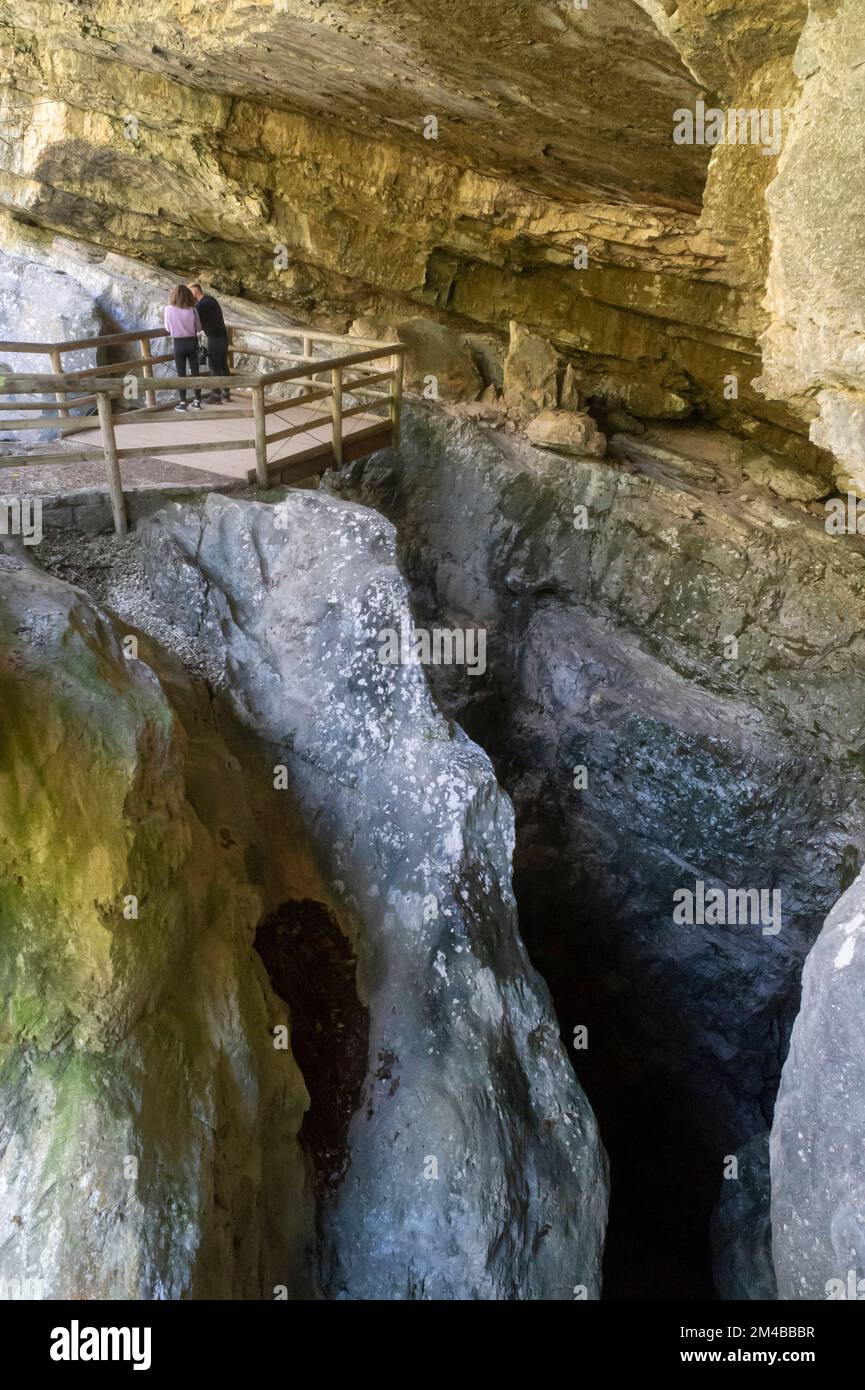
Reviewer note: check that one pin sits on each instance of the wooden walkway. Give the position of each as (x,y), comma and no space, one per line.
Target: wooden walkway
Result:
(215,425)
(262,434)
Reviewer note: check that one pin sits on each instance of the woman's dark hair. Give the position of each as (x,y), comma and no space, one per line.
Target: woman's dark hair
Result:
(181,297)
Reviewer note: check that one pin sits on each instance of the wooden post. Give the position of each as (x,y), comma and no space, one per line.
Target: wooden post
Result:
(57,366)
(336,412)
(112,464)
(260,435)
(147,368)
(396,399)
(307,352)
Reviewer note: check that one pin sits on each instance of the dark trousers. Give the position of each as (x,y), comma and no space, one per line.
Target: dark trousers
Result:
(217,351)
(186,351)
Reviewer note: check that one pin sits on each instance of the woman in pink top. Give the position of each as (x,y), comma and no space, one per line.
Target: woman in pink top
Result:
(181,322)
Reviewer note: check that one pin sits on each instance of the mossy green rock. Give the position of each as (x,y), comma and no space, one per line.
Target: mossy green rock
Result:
(148,1125)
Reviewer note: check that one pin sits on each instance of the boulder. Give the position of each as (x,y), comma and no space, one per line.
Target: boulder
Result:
(371,326)
(792,482)
(530,373)
(435,351)
(818,1132)
(475,1168)
(567,432)
(489,354)
(642,398)
(569,391)
(148,1123)
(813,354)
(840,429)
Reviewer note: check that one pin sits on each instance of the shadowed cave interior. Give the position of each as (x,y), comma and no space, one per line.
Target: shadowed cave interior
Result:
(312,968)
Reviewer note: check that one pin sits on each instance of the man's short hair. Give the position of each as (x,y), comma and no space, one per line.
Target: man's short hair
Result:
(194,285)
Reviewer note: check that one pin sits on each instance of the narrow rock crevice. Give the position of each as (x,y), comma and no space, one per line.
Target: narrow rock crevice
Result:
(312,968)
(695,768)
(332,968)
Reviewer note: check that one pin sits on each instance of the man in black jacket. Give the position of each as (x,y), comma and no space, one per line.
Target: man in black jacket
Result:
(210,317)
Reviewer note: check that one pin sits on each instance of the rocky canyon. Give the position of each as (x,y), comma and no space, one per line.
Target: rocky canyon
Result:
(438,874)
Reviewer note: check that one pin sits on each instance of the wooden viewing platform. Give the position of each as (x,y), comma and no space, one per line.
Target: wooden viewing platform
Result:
(261,435)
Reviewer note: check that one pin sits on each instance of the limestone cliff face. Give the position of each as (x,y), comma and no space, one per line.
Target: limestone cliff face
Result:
(149,1107)
(148,1124)
(606,647)
(813,347)
(280,151)
(607,652)
(206,139)
(474,1166)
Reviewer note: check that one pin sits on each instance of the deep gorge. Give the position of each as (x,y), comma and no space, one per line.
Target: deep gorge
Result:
(331,979)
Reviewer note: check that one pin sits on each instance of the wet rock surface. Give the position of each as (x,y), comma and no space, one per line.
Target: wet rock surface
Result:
(609,591)
(475,1168)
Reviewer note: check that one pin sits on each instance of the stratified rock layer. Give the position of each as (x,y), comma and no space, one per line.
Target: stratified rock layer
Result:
(818,1161)
(475,163)
(148,1124)
(475,1167)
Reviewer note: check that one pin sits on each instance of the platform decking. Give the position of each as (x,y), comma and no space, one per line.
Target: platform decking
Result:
(262,434)
(215,425)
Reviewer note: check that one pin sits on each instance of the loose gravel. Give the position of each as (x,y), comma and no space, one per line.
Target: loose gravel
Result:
(109,569)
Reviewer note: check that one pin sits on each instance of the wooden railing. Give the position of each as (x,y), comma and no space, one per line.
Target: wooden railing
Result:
(349,374)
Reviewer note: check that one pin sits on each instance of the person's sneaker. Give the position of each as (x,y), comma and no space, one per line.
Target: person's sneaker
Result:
(195,405)
(181,405)
(226,396)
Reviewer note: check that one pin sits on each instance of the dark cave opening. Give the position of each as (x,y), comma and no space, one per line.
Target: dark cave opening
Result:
(312,968)
(664,1181)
